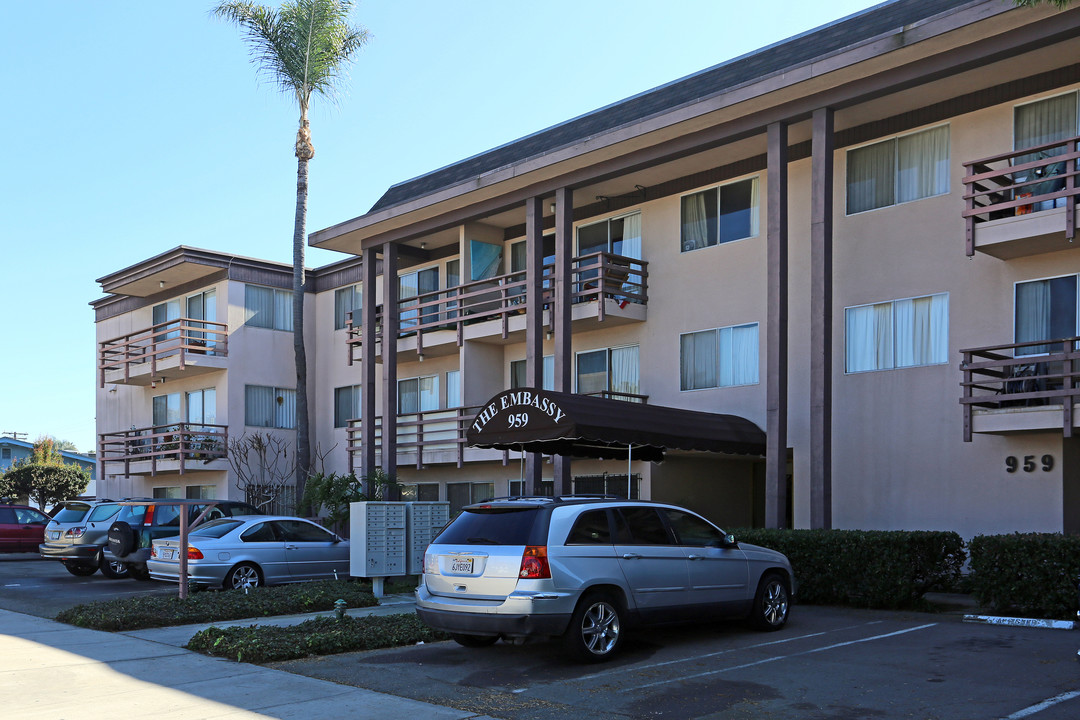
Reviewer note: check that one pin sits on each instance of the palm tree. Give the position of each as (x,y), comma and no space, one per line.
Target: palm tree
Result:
(303,48)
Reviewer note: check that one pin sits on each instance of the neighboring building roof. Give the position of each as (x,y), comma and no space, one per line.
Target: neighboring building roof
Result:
(28,446)
(761,63)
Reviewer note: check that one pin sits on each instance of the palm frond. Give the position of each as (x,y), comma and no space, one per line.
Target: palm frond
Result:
(303,47)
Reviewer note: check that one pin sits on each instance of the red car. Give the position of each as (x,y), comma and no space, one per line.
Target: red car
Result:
(22,528)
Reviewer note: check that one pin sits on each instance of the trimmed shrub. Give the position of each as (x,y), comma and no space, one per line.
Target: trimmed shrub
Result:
(1028,574)
(319,636)
(866,568)
(203,607)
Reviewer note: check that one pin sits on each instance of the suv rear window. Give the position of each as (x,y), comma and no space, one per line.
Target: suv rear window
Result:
(502,526)
(102,512)
(71,512)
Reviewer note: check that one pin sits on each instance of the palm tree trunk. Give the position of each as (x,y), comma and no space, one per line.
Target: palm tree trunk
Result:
(303,444)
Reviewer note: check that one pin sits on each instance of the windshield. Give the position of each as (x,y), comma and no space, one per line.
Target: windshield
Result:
(503,526)
(71,512)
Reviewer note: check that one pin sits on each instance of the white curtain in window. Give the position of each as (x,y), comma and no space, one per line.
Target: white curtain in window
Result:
(695,222)
(755,209)
(871,174)
(549,372)
(1045,121)
(284,408)
(283,311)
(258,406)
(258,306)
(453,388)
(429,393)
(625,370)
(869,332)
(744,355)
(1033,315)
(631,242)
(408,397)
(347,300)
(699,360)
(923,164)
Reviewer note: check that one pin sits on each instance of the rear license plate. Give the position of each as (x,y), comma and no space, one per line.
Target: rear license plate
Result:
(461,566)
(54,535)
(166,554)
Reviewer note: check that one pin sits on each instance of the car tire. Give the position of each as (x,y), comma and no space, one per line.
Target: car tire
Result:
(244,575)
(80,569)
(474,641)
(595,631)
(771,603)
(112,569)
(121,539)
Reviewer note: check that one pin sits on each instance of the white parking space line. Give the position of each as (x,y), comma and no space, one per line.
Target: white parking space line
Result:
(622,671)
(786,657)
(1044,705)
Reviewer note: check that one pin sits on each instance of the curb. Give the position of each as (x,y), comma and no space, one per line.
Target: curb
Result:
(1021,622)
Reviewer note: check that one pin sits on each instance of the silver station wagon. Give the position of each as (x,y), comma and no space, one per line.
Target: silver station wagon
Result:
(583,569)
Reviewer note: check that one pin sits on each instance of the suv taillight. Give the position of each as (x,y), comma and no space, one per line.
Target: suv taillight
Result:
(148,519)
(534,563)
(75,532)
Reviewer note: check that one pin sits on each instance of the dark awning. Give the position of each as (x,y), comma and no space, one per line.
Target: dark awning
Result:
(556,423)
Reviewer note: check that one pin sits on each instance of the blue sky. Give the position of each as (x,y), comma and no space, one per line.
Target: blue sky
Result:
(133,127)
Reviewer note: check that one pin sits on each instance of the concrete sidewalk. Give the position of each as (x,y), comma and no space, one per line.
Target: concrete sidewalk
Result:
(52,671)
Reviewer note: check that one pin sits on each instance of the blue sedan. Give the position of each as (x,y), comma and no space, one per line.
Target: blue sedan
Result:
(253,550)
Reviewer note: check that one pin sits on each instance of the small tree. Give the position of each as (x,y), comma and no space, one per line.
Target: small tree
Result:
(263,468)
(45,484)
(333,493)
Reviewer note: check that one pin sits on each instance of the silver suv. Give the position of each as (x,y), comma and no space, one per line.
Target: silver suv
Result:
(585,568)
(77,536)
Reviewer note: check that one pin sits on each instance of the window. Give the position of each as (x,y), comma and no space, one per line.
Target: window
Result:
(518,370)
(519,488)
(420,492)
(1045,310)
(485,260)
(200,492)
(608,484)
(166,409)
(723,357)
(168,493)
(453,389)
(720,215)
(898,170)
(461,494)
(518,259)
(611,370)
(266,307)
(1038,123)
(896,334)
(347,300)
(418,395)
(642,526)
(620,236)
(410,286)
(164,316)
(202,307)
(346,405)
(5,453)
(202,407)
(269,407)
(692,530)
(591,528)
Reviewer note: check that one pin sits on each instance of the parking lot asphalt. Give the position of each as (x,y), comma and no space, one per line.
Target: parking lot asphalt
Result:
(828,663)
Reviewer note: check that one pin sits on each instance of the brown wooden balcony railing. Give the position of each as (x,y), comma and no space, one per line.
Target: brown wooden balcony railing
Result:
(438,430)
(595,276)
(998,377)
(186,443)
(182,337)
(1018,182)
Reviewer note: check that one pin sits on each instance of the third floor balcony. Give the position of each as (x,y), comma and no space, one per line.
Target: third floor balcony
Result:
(1022,202)
(605,288)
(177,347)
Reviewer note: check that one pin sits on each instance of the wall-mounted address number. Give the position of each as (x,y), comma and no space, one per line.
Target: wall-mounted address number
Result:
(1029,463)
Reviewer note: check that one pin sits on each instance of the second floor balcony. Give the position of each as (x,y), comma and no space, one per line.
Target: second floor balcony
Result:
(181,346)
(1022,387)
(1022,202)
(605,288)
(172,448)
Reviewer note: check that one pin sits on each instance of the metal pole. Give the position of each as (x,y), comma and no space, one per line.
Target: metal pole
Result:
(183,551)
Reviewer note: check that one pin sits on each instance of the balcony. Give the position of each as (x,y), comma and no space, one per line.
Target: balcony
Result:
(174,448)
(1023,202)
(1005,393)
(182,346)
(438,436)
(606,288)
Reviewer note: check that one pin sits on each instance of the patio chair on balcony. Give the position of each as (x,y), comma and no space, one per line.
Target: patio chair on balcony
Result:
(1025,378)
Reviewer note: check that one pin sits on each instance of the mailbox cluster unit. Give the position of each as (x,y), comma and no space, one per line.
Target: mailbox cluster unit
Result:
(389,538)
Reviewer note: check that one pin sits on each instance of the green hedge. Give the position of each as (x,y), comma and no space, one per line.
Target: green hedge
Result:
(320,636)
(204,607)
(1029,574)
(866,568)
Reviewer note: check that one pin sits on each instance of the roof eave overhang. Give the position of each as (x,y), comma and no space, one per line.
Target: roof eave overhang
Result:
(175,268)
(846,76)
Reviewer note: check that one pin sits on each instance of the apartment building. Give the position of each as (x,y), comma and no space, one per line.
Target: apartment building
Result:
(831,283)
